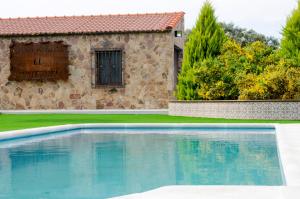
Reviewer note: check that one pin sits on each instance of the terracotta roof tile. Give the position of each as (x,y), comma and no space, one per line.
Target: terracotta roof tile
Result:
(156,22)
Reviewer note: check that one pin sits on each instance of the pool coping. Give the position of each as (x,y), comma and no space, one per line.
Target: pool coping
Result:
(51,129)
(288,142)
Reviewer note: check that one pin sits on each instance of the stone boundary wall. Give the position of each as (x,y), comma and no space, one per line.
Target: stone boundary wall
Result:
(277,110)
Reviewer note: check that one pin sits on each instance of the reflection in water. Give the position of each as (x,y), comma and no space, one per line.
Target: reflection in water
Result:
(104,165)
(228,163)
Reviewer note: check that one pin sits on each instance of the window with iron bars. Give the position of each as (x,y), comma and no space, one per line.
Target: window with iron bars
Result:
(109,68)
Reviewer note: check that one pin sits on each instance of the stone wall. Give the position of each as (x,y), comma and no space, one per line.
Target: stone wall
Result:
(276,110)
(147,71)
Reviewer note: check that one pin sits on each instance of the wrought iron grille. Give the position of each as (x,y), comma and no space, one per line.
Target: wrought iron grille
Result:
(109,67)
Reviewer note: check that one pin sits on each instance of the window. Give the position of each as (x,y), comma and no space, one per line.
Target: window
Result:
(109,68)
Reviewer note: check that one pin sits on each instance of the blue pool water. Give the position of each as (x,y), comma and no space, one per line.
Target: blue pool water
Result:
(101,164)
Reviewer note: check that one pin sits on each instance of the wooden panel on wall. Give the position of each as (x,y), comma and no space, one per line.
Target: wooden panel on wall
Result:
(39,61)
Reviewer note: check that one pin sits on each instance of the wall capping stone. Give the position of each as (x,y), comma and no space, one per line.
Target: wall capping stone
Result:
(238,109)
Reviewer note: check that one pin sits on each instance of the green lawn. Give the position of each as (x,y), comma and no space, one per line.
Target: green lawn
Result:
(14,122)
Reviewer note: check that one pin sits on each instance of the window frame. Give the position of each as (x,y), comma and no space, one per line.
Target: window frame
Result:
(95,73)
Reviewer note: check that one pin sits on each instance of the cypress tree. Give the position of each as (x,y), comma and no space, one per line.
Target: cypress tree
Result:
(205,41)
(290,43)
(206,38)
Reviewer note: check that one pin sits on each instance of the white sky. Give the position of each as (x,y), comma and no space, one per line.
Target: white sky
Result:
(264,16)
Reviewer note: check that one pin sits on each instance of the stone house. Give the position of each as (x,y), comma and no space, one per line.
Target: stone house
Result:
(90,62)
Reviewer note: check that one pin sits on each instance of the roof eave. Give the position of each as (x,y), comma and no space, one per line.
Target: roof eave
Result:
(168,29)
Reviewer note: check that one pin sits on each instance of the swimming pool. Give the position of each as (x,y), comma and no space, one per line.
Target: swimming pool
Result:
(107,162)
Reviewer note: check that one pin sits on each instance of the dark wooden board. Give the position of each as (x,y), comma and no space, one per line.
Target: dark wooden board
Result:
(44,61)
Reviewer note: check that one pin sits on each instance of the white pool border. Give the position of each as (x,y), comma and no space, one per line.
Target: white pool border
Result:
(288,140)
(52,129)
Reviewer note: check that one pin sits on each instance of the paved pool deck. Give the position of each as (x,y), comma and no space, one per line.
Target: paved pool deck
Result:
(288,139)
(218,192)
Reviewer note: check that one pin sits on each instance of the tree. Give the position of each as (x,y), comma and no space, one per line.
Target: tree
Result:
(204,41)
(187,33)
(290,43)
(245,37)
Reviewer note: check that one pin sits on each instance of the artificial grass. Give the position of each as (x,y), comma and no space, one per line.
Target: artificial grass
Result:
(15,122)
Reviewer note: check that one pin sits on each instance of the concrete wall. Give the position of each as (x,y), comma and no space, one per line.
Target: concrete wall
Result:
(148,73)
(237,109)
